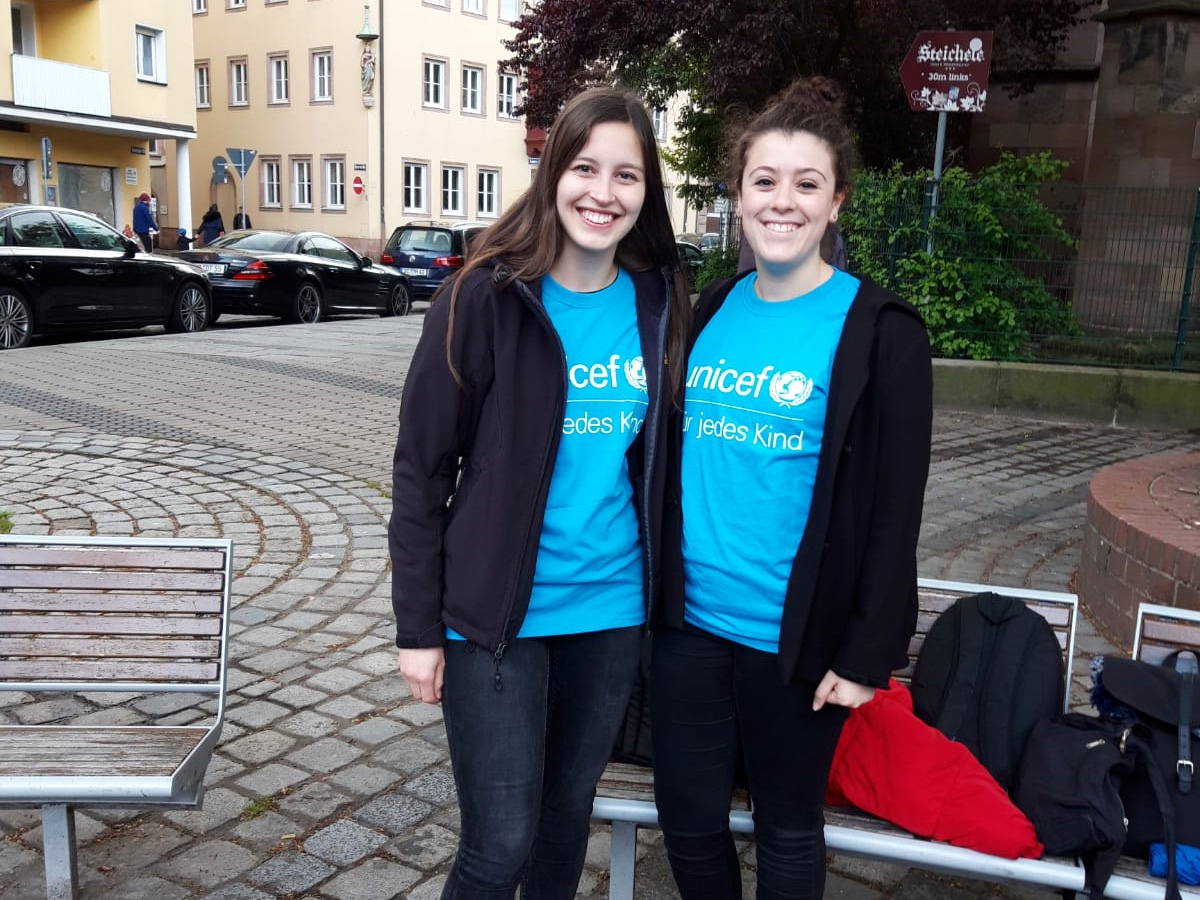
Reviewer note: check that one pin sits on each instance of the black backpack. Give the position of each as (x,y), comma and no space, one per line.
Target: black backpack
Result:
(988,670)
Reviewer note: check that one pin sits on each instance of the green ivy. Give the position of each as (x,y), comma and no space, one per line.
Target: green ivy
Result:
(971,269)
(717,264)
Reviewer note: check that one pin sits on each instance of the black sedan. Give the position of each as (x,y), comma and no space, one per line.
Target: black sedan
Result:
(299,276)
(62,270)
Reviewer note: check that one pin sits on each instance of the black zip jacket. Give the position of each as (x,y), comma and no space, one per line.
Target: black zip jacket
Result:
(472,466)
(851,601)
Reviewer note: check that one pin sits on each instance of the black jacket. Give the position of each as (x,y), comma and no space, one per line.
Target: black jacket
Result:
(472,465)
(851,600)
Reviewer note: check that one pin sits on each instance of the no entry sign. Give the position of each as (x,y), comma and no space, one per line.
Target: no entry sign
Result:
(947,71)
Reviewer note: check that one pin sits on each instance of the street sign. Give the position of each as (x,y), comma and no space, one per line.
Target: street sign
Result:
(357,184)
(947,71)
(241,159)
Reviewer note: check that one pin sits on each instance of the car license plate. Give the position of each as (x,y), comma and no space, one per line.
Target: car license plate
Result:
(213,268)
(416,273)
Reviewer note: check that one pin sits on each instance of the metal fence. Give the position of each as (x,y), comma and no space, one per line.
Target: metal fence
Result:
(1054,272)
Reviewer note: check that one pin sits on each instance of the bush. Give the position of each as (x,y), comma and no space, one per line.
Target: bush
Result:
(717,264)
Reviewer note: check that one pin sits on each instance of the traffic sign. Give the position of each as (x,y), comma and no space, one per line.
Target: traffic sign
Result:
(357,184)
(947,71)
(241,159)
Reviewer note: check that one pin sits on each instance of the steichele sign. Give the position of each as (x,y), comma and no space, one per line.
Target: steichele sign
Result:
(947,71)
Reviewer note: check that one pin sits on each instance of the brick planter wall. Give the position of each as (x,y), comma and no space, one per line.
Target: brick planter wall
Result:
(1142,539)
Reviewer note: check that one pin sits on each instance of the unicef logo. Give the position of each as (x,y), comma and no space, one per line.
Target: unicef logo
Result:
(790,388)
(635,373)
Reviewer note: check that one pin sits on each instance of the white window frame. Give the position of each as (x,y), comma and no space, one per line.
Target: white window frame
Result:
(658,118)
(445,4)
(472,90)
(487,193)
(302,178)
(416,187)
(433,87)
(333,168)
(473,7)
(454,191)
(199,6)
(239,82)
(506,95)
(203,86)
(235,4)
(322,75)
(271,173)
(154,69)
(510,10)
(278,79)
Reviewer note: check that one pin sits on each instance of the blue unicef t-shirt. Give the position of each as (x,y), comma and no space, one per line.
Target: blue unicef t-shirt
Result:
(754,416)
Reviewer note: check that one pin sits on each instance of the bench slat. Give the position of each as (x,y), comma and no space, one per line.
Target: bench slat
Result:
(65,623)
(121,670)
(108,648)
(39,751)
(132,580)
(78,602)
(56,557)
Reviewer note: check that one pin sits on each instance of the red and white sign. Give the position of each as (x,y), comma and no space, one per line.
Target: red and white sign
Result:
(357,184)
(947,71)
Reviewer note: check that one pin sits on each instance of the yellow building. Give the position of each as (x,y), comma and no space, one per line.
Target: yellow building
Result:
(96,98)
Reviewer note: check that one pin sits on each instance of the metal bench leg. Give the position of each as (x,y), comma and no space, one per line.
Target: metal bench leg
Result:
(623,858)
(58,846)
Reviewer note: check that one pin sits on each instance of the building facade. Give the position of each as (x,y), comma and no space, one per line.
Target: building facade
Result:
(96,92)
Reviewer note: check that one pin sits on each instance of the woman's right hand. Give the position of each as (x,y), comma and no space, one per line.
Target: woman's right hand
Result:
(422,669)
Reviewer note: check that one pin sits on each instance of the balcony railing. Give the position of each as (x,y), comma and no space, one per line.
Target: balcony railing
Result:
(62,87)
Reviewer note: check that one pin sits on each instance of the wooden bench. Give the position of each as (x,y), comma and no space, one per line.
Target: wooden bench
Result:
(625,796)
(126,615)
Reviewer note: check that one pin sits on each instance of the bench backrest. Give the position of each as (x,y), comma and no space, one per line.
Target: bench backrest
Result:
(114,614)
(1058,608)
(1161,629)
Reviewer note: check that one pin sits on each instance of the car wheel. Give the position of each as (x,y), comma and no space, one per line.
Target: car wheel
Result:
(190,313)
(16,320)
(399,301)
(306,308)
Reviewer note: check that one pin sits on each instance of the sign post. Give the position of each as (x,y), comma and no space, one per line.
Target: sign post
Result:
(946,71)
(241,159)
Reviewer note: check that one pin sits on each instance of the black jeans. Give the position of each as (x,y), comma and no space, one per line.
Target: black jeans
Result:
(708,696)
(527,756)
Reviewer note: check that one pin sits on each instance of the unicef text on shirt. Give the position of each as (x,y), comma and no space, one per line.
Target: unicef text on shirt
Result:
(607,375)
(589,424)
(788,389)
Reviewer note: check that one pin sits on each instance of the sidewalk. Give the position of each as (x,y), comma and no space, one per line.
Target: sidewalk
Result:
(330,783)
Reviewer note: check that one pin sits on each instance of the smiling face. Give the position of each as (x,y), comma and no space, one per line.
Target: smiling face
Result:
(600,194)
(788,197)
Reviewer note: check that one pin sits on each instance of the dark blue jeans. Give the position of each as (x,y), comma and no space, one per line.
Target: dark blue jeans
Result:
(709,696)
(527,757)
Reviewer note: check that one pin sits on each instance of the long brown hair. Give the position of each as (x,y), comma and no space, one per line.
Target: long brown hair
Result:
(528,236)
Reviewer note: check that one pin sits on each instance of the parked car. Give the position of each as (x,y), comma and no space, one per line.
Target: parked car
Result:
(692,258)
(424,253)
(300,276)
(709,241)
(62,269)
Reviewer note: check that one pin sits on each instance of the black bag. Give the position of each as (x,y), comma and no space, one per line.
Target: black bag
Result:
(989,669)
(1166,702)
(1069,785)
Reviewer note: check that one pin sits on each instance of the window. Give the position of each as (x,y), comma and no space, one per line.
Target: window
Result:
(302,183)
(660,123)
(474,7)
(239,92)
(272,192)
(335,183)
(472,89)
(445,3)
(151,64)
(509,10)
(506,96)
(279,79)
(235,4)
(203,86)
(453,182)
(487,199)
(322,75)
(416,176)
(435,83)
(199,6)
(156,147)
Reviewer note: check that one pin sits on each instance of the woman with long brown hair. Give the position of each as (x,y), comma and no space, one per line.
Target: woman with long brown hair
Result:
(527,492)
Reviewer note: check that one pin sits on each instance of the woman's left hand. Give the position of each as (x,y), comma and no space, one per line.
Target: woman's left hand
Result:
(841,692)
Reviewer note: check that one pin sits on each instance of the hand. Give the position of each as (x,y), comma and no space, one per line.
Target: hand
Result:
(422,669)
(841,692)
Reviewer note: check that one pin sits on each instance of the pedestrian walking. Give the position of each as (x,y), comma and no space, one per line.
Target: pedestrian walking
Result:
(143,221)
(211,226)
(182,241)
(241,219)
(526,493)
(792,516)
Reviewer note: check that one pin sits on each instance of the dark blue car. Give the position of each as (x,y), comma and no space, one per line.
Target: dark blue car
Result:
(424,253)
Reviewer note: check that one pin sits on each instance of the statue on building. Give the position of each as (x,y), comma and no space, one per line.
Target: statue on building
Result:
(368,68)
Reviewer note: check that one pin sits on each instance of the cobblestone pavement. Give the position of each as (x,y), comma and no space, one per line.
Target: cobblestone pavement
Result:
(330,782)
